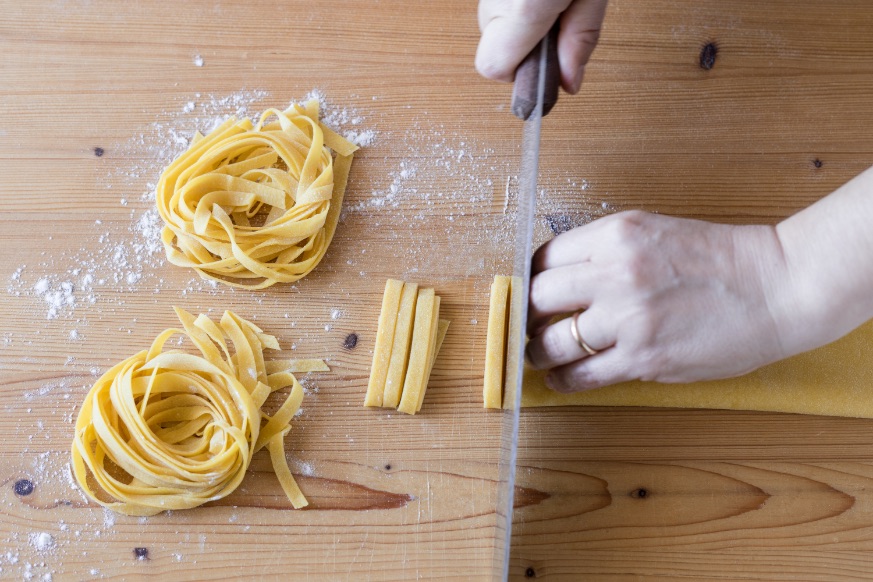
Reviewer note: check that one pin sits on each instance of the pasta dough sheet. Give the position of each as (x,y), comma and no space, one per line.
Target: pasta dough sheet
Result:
(166,430)
(252,205)
(834,380)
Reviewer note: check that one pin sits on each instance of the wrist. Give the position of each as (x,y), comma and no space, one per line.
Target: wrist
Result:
(761,260)
(816,308)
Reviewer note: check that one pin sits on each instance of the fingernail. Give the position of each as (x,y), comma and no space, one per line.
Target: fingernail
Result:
(577,80)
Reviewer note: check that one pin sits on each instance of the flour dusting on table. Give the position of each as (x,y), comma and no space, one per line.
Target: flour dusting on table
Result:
(435,175)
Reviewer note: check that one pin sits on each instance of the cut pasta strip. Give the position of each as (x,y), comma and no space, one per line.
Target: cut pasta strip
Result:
(423,340)
(442,328)
(166,430)
(515,336)
(252,205)
(280,466)
(495,346)
(384,340)
(400,347)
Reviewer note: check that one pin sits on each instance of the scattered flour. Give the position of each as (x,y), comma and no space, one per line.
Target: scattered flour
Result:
(340,118)
(42,541)
(362,138)
(109,518)
(58,296)
(435,174)
(123,258)
(130,258)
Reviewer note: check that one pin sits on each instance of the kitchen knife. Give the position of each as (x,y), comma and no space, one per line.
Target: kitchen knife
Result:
(534,94)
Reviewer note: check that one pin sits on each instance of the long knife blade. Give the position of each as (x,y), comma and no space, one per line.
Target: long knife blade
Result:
(534,94)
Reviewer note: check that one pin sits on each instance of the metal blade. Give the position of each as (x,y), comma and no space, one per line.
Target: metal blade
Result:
(527,194)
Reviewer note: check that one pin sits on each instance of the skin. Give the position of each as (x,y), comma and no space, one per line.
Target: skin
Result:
(675,300)
(511,28)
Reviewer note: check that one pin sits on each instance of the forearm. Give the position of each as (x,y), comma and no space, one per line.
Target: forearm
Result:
(828,251)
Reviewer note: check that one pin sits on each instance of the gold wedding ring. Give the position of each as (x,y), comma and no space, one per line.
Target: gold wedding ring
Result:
(574,329)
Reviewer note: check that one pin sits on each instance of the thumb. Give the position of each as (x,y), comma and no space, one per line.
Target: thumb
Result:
(510,30)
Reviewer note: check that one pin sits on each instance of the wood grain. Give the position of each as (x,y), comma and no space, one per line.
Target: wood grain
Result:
(775,124)
(392,497)
(781,119)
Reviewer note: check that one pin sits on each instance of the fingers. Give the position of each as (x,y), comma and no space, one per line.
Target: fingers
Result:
(560,290)
(556,346)
(604,369)
(510,30)
(570,248)
(580,30)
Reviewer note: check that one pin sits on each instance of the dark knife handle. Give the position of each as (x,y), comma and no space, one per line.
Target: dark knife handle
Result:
(524,90)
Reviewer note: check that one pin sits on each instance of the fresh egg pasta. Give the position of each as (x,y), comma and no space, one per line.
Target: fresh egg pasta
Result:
(166,429)
(252,205)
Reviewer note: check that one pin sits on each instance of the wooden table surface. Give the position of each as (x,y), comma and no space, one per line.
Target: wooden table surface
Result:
(97,97)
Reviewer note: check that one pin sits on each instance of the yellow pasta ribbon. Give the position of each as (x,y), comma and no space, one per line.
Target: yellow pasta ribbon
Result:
(169,430)
(252,205)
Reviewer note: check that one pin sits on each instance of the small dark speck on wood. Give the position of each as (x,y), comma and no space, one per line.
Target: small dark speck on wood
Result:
(99,152)
(351,341)
(559,223)
(23,487)
(141,553)
(387,467)
(817,163)
(707,56)
(530,573)
(639,493)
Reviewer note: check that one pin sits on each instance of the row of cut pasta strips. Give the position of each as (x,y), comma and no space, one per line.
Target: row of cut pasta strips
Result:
(408,339)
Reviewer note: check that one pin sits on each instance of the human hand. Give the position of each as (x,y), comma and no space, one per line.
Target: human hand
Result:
(512,28)
(665,299)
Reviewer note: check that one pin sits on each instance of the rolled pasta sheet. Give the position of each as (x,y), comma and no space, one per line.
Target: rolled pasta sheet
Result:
(252,205)
(166,429)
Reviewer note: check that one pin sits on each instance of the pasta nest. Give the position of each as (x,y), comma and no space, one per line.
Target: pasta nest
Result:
(170,430)
(255,205)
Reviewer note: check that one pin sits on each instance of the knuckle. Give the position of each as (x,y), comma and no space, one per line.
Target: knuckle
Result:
(630,267)
(636,269)
(553,345)
(585,38)
(626,226)
(632,262)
